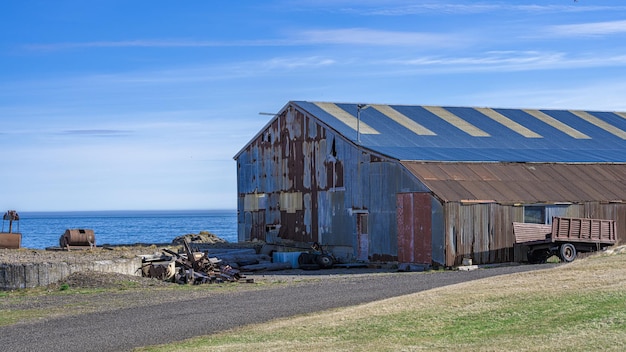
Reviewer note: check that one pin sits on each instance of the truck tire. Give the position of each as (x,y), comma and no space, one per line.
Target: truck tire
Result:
(324,261)
(567,252)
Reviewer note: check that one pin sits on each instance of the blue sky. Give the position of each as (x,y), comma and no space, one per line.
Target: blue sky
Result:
(123,105)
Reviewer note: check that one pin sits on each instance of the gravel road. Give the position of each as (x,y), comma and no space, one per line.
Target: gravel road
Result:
(124,329)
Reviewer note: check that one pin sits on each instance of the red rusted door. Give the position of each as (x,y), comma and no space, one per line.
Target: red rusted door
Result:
(362,226)
(414,219)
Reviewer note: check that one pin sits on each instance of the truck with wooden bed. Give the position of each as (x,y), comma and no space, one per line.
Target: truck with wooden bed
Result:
(565,237)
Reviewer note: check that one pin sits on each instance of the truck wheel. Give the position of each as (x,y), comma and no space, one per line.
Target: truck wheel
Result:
(567,252)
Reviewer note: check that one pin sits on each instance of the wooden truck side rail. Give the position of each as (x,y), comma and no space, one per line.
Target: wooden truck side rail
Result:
(565,237)
(583,230)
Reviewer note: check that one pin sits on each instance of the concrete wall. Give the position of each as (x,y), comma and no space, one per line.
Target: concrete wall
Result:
(29,275)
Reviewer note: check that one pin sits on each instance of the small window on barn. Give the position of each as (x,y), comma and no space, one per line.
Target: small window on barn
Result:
(535,214)
(333,149)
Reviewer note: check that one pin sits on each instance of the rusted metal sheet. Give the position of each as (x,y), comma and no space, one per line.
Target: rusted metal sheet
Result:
(298,180)
(519,182)
(288,166)
(414,217)
(362,236)
(530,232)
(10,240)
(303,178)
(481,232)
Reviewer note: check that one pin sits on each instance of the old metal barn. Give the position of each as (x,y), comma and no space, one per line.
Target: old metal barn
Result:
(426,184)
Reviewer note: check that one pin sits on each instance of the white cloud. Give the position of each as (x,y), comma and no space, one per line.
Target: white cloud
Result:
(297,62)
(408,8)
(365,36)
(504,61)
(589,29)
(342,36)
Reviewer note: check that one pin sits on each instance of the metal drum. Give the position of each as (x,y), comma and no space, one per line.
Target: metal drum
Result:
(78,237)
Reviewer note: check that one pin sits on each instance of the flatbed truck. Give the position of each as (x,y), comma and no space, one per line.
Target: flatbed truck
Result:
(566,237)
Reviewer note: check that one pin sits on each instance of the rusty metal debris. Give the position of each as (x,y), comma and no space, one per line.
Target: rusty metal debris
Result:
(10,239)
(189,267)
(193,265)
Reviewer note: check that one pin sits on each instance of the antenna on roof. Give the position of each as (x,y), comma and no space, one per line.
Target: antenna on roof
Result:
(359,107)
(268,113)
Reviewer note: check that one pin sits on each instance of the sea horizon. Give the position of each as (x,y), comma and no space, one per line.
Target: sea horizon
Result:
(42,229)
(134,211)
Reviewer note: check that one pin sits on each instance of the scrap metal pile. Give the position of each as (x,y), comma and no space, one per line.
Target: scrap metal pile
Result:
(189,268)
(193,265)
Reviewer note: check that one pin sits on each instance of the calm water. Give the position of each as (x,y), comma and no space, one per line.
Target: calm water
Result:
(43,229)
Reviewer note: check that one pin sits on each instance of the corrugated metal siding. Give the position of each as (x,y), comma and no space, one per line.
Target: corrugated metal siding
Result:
(304,178)
(438,234)
(307,183)
(522,182)
(484,232)
(414,219)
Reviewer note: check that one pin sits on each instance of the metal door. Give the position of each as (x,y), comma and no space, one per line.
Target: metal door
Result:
(414,220)
(362,236)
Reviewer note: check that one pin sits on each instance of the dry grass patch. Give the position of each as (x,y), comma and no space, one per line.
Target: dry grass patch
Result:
(580,306)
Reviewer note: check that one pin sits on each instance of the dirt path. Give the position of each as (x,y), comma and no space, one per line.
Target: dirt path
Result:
(120,326)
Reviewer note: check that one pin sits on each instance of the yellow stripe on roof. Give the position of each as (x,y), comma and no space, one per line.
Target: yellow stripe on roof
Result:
(403,120)
(507,122)
(597,122)
(347,118)
(556,124)
(457,121)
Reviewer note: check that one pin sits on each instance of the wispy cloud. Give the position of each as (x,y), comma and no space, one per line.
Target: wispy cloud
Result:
(297,62)
(365,36)
(589,29)
(97,133)
(403,8)
(341,36)
(155,43)
(511,61)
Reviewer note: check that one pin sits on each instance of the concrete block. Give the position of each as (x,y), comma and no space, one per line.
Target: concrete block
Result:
(467,267)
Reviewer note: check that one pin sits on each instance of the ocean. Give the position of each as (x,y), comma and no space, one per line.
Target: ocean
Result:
(43,229)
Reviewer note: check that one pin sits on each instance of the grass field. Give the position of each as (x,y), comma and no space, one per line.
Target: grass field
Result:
(580,306)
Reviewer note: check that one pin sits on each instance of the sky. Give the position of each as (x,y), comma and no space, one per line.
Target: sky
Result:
(142,105)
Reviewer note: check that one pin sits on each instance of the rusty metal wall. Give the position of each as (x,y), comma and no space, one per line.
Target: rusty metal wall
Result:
(508,183)
(414,219)
(484,232)
(300,181)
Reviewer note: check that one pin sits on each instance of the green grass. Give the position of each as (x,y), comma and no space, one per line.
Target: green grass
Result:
(576,307)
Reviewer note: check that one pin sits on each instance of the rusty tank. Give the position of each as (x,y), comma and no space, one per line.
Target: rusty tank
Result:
(77,238)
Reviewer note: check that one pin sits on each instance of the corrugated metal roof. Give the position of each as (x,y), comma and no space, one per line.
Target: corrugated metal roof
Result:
(522,182)
(428,133)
